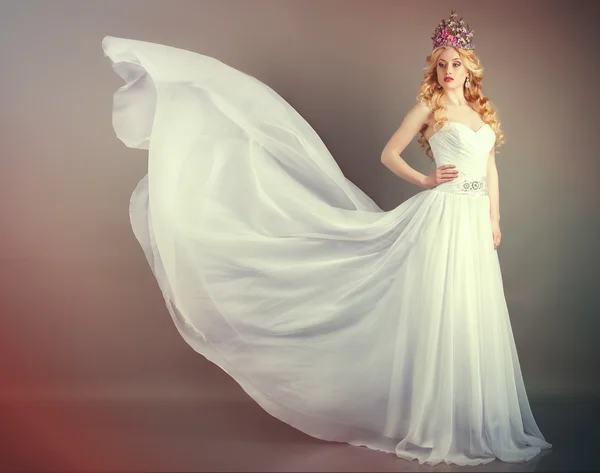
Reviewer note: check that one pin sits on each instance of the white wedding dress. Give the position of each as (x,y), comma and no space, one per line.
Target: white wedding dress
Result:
(383,329)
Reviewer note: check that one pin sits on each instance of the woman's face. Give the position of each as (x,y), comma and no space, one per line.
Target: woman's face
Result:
(450,66)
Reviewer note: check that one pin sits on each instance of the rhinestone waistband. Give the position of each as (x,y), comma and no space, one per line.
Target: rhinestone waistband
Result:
(465,185)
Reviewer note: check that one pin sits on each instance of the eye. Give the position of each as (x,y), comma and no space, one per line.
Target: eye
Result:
(441,64)
(457,64)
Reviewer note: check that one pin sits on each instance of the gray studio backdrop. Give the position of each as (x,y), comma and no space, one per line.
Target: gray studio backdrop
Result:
(82,316)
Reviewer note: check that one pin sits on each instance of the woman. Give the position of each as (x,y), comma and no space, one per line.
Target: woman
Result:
(382,329)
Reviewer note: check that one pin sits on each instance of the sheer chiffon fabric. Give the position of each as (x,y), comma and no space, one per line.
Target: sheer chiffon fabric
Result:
(388,330)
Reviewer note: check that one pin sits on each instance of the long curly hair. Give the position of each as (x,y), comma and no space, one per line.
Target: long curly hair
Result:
(432,96)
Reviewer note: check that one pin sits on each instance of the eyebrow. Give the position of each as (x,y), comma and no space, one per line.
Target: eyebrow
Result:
(455,59)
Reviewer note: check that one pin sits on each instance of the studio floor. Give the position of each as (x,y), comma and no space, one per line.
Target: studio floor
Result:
(234,434)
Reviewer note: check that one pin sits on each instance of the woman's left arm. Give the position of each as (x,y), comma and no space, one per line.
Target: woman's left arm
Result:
(494,195)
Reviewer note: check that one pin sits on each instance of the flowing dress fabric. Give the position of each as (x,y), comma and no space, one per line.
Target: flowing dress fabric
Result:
(388,330)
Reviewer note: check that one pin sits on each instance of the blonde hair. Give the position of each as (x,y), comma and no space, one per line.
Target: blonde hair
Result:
(432,96)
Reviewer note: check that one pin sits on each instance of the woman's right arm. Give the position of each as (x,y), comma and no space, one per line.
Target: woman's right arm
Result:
(413,122)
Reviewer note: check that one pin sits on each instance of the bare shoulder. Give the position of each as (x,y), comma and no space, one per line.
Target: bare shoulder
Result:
(414,121)
(423,115)
(422,112)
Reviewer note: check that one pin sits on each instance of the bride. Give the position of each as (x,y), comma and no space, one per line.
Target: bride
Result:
(387,330)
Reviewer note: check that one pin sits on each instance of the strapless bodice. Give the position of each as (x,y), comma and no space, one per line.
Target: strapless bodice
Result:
(456,143)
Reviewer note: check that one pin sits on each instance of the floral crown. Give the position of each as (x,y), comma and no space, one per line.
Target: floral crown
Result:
(453,32)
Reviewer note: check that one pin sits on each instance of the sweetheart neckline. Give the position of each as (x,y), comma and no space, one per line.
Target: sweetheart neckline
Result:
(466,126)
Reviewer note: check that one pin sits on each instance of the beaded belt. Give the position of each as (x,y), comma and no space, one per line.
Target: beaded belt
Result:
(465,185)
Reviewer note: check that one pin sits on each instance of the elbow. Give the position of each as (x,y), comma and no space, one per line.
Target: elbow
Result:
(386,156)
(382,158)
(492,174)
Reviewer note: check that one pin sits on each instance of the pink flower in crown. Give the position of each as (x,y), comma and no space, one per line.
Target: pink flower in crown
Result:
(445,32)
(451,38)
